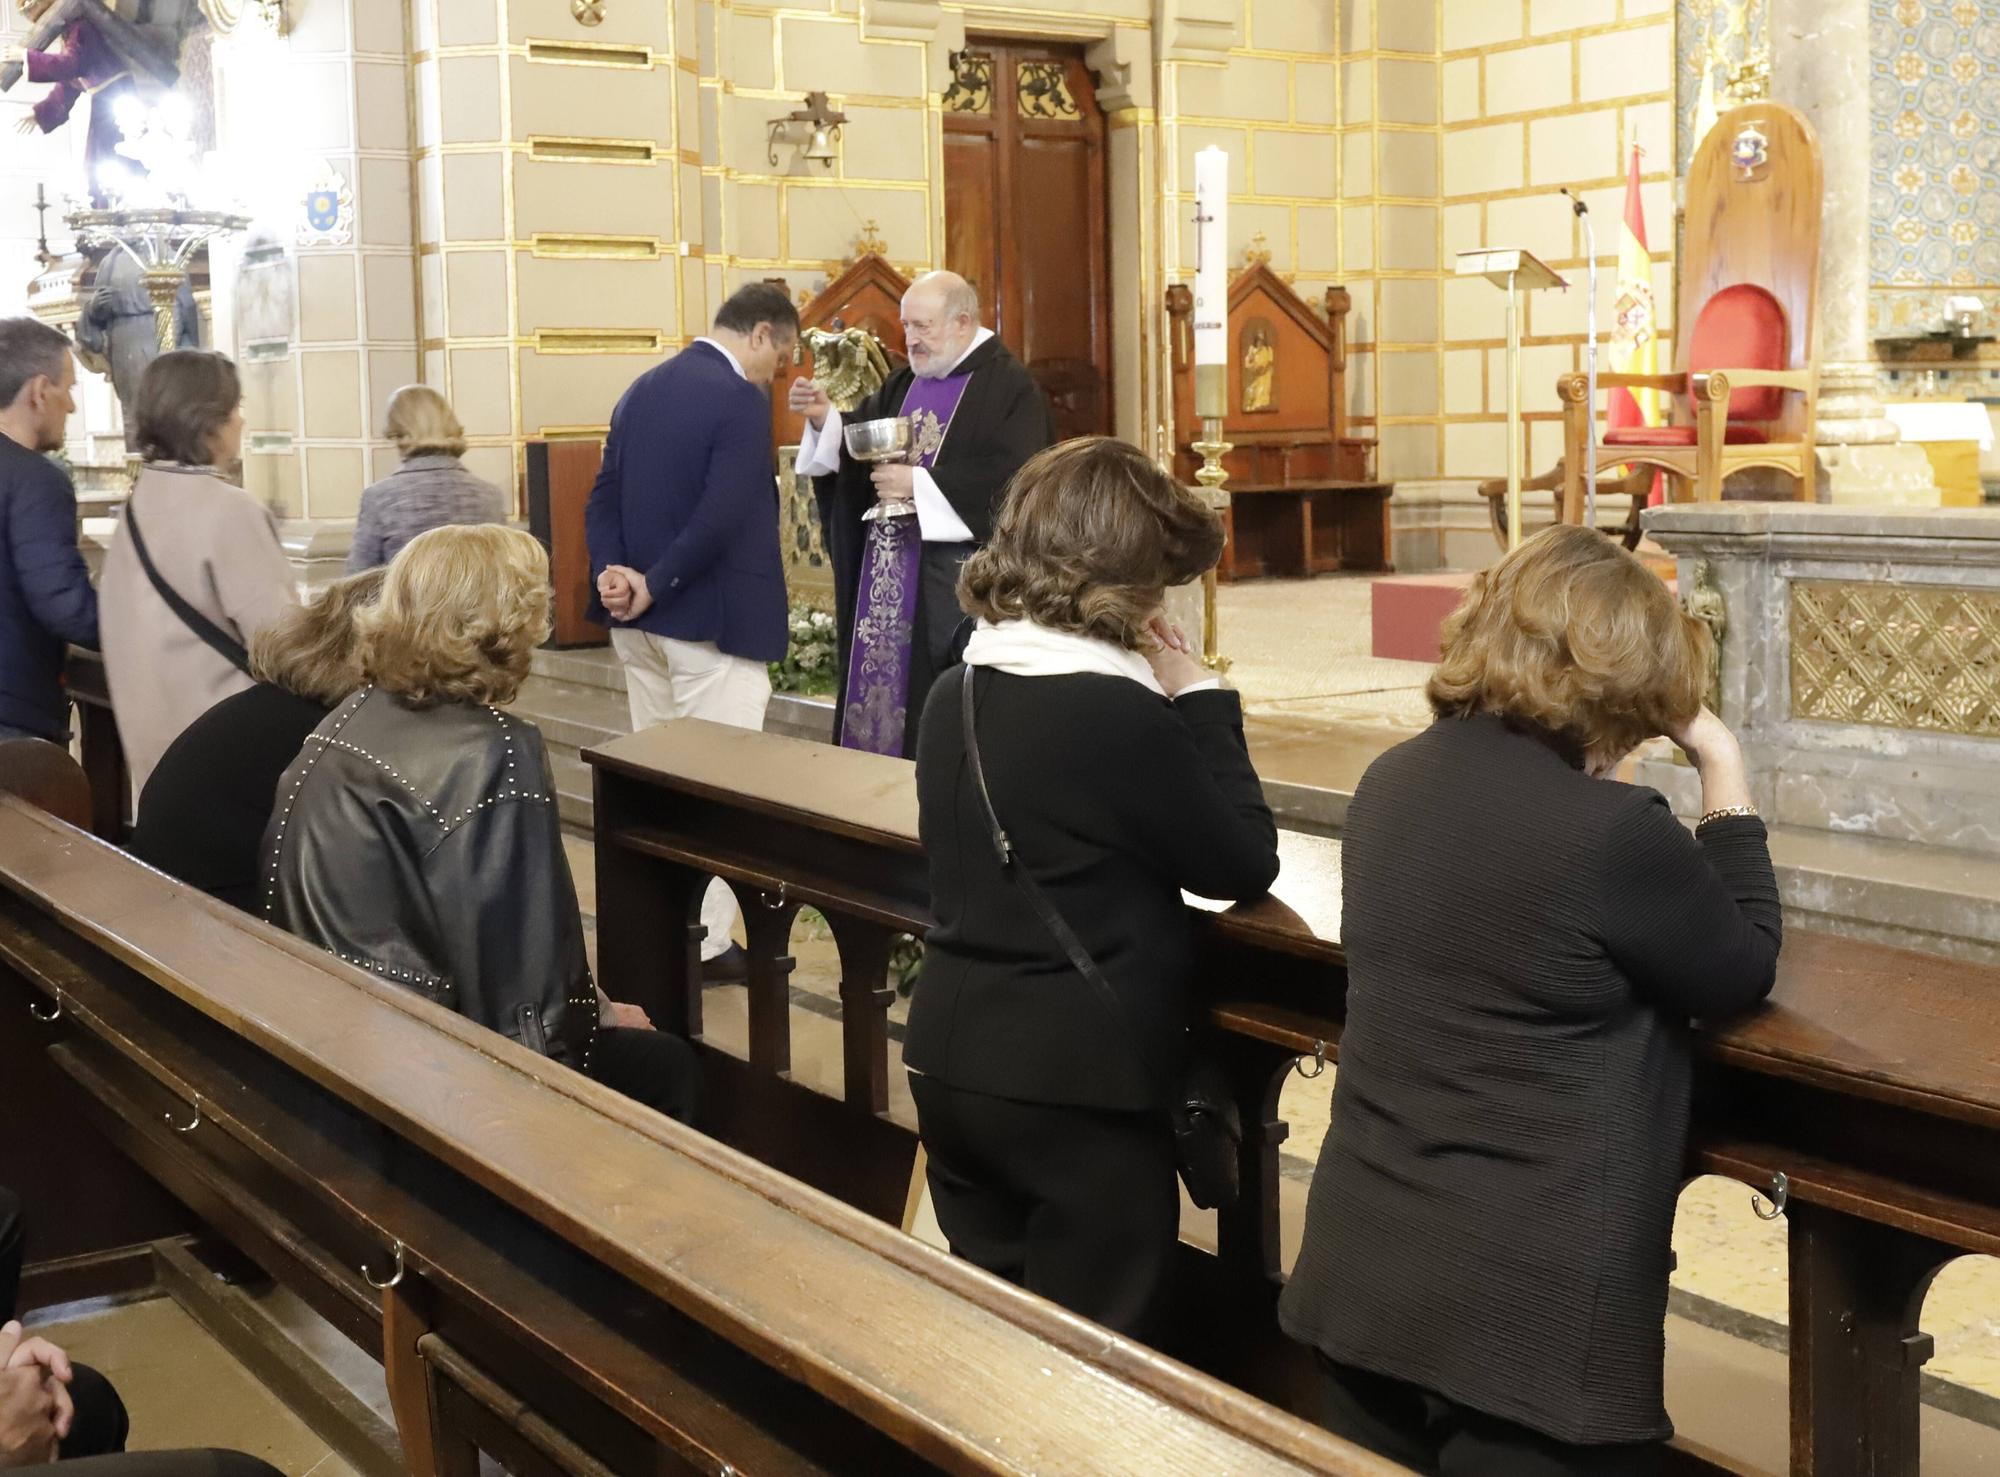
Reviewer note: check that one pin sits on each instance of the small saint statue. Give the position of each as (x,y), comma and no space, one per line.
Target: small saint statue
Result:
(1260,363)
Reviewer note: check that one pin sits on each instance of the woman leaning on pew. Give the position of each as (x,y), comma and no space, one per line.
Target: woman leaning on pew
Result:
(1117,770)
(1486,1249)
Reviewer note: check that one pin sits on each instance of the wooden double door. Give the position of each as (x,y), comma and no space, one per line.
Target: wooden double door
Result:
(1025,216)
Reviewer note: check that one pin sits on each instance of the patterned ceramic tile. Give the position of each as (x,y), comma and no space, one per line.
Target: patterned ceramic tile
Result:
(1934,161)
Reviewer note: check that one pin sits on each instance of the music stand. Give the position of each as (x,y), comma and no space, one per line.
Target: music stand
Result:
(1512,269)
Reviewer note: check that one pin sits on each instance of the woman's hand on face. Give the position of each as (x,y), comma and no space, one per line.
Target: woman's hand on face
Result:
(1706,740)
(1172,659)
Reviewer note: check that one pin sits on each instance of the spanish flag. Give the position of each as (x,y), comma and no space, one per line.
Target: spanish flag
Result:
(1634,336)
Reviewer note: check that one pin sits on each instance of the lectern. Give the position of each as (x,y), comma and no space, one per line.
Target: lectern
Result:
(1516,271)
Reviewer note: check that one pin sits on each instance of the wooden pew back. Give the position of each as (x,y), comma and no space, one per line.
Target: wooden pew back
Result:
(574,1281)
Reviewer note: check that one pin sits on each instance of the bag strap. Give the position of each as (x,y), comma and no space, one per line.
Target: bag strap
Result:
(211,635)
(1052,920)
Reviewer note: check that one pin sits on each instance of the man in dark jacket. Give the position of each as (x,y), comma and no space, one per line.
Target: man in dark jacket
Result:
(46,601)
(683,529)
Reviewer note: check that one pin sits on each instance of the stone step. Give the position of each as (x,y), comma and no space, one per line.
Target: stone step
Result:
(573,715)
(588,666)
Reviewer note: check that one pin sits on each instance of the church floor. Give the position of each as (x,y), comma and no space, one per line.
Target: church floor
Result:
(1725,1363)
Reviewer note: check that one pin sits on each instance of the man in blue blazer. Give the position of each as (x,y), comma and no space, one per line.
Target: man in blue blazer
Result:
(683,529)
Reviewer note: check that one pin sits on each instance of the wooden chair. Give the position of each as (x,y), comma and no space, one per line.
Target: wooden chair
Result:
(1636,484)
(1746,339)
(46,777)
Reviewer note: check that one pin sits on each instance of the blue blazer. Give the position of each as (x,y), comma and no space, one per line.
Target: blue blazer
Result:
(688,496)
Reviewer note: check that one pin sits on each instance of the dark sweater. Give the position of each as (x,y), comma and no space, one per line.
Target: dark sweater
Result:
(203,812)
(1495,1197)
(46,601)
(1116,800)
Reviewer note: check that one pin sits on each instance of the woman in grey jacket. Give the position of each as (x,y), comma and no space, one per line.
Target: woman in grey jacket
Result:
(430,490)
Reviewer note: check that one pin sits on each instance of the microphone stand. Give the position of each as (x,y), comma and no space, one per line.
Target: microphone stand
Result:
(1589,358)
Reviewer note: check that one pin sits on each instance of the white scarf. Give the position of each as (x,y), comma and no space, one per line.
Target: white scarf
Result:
(1024,649)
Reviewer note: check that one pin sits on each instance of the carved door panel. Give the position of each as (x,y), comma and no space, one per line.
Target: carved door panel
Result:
(1025,217)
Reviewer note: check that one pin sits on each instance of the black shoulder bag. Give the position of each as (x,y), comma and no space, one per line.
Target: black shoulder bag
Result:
(211,635)
(1207,1125)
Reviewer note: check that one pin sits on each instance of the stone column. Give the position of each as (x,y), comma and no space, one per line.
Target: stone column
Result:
(1820,64)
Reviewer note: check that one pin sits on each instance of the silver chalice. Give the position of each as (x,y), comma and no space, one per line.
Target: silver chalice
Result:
(885,440)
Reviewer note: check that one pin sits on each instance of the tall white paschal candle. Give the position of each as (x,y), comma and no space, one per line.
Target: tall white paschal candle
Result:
(1211,282)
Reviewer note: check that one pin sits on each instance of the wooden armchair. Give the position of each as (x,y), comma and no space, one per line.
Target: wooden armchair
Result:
(1746,340)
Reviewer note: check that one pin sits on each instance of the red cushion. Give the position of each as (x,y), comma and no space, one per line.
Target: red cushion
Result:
(1734,435)
(1742,327)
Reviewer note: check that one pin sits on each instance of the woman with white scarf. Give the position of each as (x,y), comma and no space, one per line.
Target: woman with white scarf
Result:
(1118,774)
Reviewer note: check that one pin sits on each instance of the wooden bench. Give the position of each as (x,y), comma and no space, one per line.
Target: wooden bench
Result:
(546,1270)
(1296,529)
(1870,1084)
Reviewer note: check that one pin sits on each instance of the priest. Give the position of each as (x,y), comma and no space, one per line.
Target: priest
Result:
(897,531)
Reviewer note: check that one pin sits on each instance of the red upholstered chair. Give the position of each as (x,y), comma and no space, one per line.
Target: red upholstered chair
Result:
(1746,345)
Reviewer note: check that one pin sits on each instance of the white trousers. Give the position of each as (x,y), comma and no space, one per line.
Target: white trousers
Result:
(667,678)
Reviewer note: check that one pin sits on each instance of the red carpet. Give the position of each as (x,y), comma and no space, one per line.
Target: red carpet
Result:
(1405,610)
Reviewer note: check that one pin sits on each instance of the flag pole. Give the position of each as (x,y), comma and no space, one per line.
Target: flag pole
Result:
(1589,355)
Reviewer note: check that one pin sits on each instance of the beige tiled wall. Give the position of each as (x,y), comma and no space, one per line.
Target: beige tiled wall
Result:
(326,332)
(1537,94)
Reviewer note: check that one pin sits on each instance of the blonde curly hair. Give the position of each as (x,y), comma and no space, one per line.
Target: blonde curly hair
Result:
(461,612)
(1573,635)
(311,650)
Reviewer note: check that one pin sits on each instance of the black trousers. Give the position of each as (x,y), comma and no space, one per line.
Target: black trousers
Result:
(1076,1204)
(1428,1433)
(650,1067)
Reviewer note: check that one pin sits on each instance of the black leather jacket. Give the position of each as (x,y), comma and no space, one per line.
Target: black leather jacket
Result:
(423,845)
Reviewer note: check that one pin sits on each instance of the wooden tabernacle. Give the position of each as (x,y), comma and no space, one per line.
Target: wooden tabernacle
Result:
(1302,498)
(869,294)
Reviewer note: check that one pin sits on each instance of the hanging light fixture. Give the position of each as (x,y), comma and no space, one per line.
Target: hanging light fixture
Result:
(819,123)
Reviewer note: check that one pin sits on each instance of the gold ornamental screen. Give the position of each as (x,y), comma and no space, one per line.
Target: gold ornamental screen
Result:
(1921,657)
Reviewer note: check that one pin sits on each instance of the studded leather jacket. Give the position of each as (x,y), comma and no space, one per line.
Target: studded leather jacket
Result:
(423,845)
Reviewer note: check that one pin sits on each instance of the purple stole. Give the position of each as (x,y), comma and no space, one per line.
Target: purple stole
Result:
(875,707)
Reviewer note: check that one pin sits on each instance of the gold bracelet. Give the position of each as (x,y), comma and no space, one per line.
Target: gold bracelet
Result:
(1725,813)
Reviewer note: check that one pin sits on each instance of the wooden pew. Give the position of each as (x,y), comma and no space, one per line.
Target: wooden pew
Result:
(1870,1084)
(547,1271)
(103,751)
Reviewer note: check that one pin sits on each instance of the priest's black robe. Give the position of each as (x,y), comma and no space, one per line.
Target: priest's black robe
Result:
(1001,421)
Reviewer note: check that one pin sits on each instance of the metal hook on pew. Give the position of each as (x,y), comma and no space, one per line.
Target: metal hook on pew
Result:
(394,1277)
(774,904)
(1781,1189)
(53,1016)
(190,1126)
(1319,1062)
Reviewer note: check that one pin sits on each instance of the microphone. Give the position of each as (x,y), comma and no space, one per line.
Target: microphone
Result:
(1575,201)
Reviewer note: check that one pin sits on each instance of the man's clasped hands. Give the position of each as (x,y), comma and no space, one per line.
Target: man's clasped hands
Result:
(35,1408)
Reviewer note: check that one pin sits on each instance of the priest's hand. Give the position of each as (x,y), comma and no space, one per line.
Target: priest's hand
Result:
(1168,652)
(895,482)
(810,401)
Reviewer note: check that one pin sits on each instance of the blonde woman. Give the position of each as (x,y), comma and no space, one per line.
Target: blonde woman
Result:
(203,812)
(430,490)
(416,835)
(1484,1266)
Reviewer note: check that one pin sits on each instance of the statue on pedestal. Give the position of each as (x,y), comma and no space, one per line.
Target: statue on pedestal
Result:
(117,332)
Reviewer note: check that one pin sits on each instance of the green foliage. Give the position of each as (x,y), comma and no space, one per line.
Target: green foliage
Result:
(808,664)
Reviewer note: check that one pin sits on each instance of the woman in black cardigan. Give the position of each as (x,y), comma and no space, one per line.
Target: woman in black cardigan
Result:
(1117,767)
(203,812)
(1484,1266)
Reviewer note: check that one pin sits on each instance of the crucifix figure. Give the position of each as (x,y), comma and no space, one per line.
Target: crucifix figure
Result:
(1200,219)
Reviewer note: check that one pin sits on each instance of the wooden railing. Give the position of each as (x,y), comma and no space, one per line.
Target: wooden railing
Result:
(546,1270)
(102,750)
(1865,1099)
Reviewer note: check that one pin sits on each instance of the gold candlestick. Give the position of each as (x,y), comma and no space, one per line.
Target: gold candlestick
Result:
(1211,475)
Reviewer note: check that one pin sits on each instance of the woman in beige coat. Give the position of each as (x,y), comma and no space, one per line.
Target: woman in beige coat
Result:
(175,634)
